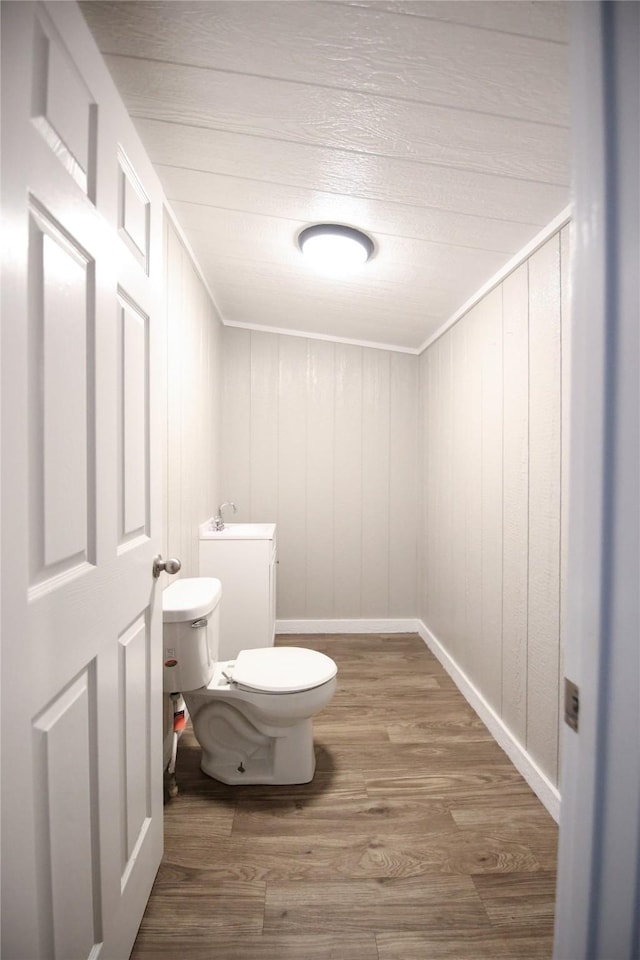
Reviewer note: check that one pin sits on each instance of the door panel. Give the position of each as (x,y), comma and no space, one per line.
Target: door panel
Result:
(133,425)
(135,755)
(63,110)
(61,402)
(82,340)
(67,794)
(133,212)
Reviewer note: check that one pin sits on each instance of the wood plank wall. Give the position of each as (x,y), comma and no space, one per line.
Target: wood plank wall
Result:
(322,437)
(194,377)
(494,430)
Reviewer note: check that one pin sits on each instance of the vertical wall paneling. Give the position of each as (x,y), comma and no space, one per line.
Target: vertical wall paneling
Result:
(173,274)
(445,504)
(544,506)
(264,426)
(375,483)
(347,482)
(458,478)
(204,437)
(472,492)
(427,393)
(194,397)
(212,405)
(180,386)
(489,664)
(320,472)
(235,435)
(328,434)
(215,408)
(403,470)
(434,596)
(515,504)
(205,432)
(288,441)
(494,433)
(189,326)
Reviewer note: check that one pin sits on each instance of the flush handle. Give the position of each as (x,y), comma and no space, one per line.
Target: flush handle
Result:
(168,566)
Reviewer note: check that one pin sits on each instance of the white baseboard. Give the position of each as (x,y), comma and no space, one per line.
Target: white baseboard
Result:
(547,793)
(408,625)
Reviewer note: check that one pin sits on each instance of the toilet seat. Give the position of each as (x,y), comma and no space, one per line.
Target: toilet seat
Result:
(281,669)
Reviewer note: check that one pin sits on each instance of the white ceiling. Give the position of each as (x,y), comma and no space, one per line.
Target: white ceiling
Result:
(440,128)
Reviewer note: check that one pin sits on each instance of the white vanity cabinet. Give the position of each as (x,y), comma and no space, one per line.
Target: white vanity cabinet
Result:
(243,557)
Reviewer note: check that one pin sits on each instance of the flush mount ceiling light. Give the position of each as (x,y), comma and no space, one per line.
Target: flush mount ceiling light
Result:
(335,246)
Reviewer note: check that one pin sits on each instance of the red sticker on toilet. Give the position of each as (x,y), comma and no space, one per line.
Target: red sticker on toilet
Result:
(171,663)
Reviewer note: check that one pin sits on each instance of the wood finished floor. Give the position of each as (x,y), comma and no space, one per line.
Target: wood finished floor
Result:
(416,840)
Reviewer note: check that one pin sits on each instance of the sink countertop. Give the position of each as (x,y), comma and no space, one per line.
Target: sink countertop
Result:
(238,531)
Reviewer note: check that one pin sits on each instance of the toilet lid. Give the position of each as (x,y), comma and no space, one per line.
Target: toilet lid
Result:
(282,669)
(190,598)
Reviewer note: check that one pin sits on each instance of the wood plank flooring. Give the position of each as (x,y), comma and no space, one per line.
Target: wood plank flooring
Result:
(416,840)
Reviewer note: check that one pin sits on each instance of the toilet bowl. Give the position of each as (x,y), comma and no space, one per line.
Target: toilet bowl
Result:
(251,715)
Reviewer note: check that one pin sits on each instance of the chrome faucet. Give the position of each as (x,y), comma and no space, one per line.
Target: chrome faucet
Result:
(218,522)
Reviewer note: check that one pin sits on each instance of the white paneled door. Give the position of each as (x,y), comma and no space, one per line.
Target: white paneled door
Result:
(81,622)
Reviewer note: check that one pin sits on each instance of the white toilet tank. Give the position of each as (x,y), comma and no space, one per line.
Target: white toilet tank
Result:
(190,632)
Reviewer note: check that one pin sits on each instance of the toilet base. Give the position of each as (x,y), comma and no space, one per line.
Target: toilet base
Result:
(287,758)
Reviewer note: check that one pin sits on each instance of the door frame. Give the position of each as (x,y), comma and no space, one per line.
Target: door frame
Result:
(597,910)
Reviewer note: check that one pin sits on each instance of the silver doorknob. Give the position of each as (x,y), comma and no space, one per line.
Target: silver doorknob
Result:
(169,566)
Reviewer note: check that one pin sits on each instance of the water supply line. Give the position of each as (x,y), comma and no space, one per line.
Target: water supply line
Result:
(179,722)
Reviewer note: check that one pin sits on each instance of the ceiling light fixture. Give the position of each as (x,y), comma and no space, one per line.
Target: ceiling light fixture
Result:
(335,246)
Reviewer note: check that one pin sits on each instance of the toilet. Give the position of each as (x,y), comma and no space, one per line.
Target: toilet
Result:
(251,715)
